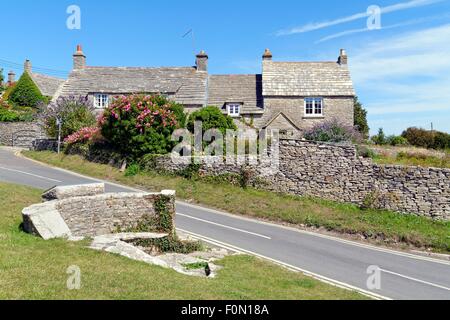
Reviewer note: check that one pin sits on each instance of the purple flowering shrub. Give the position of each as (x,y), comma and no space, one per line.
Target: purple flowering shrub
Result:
(333,131)
(75,112)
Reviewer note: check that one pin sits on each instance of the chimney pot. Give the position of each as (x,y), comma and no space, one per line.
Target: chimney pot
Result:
(202,61)
(267,55)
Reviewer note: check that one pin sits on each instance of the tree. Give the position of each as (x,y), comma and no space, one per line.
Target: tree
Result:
(361,119)
(380,139)
(26,93)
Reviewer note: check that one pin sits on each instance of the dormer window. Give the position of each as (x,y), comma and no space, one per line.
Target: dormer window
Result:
(313,107)
(101,101)
(234,110)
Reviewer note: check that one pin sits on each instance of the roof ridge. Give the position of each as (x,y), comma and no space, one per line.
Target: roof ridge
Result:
(139,68)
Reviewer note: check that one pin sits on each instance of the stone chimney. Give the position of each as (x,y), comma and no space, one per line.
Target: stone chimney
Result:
(343,58)
(79,59)
(27,66)
(11,77)
(267,56)
(202,61)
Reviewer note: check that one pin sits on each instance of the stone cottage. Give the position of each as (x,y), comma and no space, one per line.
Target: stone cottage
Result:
(289,96)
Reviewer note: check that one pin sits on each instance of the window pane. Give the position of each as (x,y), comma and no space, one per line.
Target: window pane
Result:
(318,106)
(309,106)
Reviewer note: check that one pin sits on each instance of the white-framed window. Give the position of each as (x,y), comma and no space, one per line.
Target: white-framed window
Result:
(313,107)
(101,101)
(234,110)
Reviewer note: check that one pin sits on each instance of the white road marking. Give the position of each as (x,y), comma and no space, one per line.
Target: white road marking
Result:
(224,226)
(31,174)
(316,276)
(415,280)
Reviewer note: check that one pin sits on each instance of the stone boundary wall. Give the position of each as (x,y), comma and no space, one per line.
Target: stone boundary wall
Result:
(335,172)
(102,214)
(21,134)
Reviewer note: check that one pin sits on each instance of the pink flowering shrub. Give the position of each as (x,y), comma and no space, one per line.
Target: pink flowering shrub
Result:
(84,135)
(141,124)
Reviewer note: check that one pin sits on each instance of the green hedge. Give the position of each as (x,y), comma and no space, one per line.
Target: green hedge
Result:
(26,93)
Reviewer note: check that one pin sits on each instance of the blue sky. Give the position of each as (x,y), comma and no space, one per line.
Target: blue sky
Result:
(401,71)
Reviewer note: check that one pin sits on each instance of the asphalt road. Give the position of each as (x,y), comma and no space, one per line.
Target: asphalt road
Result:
(402,276)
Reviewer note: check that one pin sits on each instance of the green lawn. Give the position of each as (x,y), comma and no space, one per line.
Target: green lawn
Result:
(31,268)
(383,226)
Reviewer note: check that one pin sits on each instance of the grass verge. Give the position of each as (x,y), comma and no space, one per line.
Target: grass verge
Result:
(383,226)
(32,268)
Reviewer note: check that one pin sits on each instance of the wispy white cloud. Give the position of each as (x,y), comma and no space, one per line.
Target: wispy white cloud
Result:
(325,24)
(405,74)
(398,25)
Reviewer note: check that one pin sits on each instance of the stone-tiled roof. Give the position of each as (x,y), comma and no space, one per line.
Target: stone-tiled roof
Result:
(245,89)
(46,84)
(306,79)
(184,85)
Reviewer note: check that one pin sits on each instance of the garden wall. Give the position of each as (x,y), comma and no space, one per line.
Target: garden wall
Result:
(21,134)
(335,172)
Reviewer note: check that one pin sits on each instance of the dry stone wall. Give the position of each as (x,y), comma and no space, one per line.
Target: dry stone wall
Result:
(21,134)
(335,172)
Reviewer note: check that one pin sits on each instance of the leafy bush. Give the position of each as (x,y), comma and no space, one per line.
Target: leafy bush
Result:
(138,124)
(75,112)
(211,118)
(26,93)
(397,141)
(333,131)
(419,137)
(441,140)
(6,115)
(427,139)
(10,114)
(365,152)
